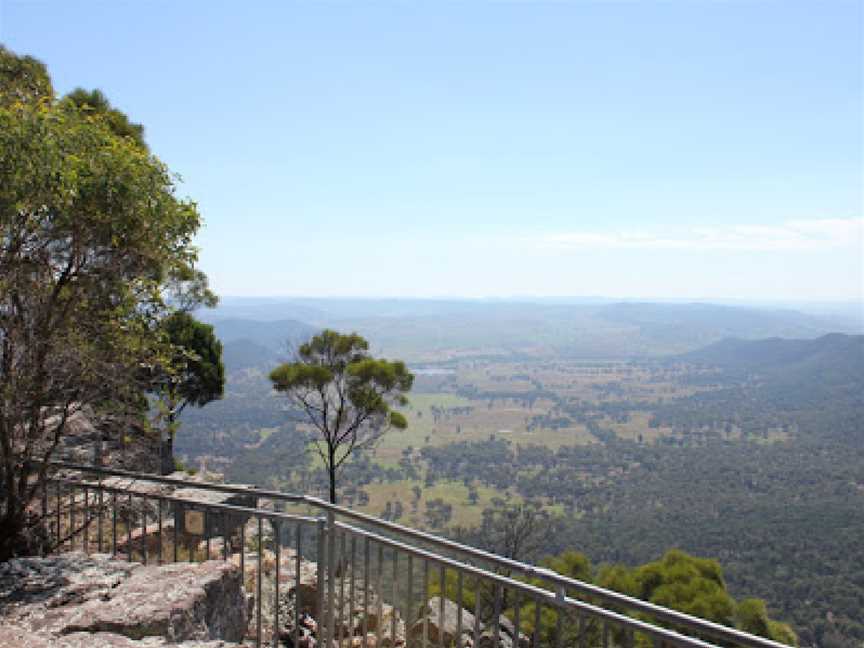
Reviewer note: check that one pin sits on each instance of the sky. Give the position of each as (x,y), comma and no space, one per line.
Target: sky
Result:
(679,149)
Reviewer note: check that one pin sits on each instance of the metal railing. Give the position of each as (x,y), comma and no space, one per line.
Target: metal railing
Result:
(384,569)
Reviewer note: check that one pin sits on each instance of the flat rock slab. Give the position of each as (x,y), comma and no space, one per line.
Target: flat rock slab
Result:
(74,599)
(30,584)
(22,638)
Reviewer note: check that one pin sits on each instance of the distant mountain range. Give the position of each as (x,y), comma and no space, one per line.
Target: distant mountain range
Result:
(255,344)
(438,330)
(828,369)
(784,355)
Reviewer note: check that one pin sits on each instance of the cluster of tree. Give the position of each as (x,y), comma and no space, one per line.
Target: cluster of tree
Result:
(438,513)
(490,461)
(548,422)
(280,460)
(784,520)
(440,413)
(393,511)
(229,426)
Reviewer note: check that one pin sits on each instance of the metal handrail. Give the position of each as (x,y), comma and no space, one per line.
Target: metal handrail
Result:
(229,508)
(557,581)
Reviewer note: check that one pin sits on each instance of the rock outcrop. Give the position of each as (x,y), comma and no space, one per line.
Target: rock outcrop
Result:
(75,600)
(447,625)
(110,441)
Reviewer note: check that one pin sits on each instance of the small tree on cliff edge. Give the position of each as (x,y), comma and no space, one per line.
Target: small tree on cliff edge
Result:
(197,376)
(347,395)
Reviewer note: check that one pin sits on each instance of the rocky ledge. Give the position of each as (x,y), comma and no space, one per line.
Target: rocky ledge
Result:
(76,601)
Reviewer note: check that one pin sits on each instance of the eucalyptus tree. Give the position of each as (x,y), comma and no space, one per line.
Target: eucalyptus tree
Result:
(95,245)
(348,396)
(195,376)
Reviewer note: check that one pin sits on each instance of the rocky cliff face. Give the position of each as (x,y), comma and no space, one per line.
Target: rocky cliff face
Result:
(122,444)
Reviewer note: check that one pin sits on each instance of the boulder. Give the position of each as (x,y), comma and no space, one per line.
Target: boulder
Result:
(372,619)
(508,627)
(487,640)
(178,601)
(438,625)
(74,599)
(387,638)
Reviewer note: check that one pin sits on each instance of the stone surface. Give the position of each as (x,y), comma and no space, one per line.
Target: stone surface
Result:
(21,638)
(178,601)
(507,626)
(120,442)
(288,589)
(487,640)
(76,600)
(437,625)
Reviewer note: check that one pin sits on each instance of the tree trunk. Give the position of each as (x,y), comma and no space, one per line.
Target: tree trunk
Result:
(12,537)
(166,454)
(331,467)
(21,534)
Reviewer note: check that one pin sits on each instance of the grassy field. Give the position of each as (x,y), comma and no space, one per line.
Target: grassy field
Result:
(503,418)
(454,493)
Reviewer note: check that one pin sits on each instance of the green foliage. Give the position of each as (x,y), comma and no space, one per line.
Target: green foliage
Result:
(94,103)
(694,586)
(677,581)
(93,243)
(194,375)
(179,466)
(347,395)
(23,79)
(199,374)
(572,564)
(751,615)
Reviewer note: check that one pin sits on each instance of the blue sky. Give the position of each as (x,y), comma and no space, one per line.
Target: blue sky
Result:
(679,149)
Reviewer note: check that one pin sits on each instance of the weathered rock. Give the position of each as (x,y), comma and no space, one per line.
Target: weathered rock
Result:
(371,641)
(109,640)
(288,590)
(114,441)
(373,619)
(388,640)
(306,589)
(178,602)
(75,600)
(508,627)
(438,625)
(487,640)
(28,585)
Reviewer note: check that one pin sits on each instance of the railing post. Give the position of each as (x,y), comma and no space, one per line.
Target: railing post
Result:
(46,525)
(331,576)
(260,567)
(277,551)
(560,596)
(322,531)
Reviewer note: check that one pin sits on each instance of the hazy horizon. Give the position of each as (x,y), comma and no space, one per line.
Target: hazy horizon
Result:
(846,316)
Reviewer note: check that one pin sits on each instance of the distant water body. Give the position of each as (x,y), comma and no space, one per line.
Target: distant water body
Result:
(433,371)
